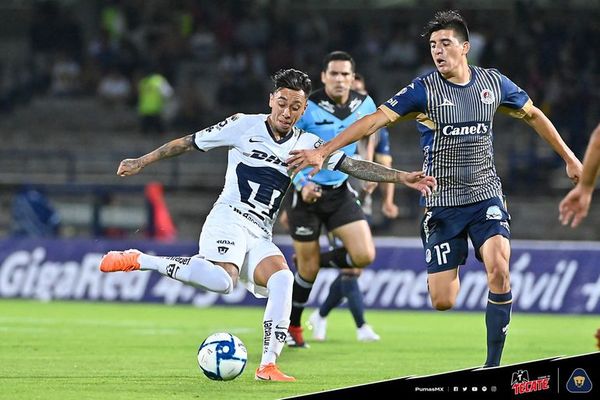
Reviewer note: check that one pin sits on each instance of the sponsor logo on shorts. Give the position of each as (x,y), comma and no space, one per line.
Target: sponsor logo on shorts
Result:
(493,212)
(304,231)
(222,249)
(426,227)
(225,241)
(427,255)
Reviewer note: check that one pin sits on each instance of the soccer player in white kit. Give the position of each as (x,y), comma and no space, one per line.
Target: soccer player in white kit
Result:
(236,239)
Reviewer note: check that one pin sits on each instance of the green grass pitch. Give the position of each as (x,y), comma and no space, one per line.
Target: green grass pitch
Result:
(74,350)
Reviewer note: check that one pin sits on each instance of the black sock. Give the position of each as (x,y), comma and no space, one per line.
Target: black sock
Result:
(334,298)
(351,291)
(336,258)
(497,317)
(300,295)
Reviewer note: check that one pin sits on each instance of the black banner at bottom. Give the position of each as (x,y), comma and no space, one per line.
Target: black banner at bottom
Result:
(576,377)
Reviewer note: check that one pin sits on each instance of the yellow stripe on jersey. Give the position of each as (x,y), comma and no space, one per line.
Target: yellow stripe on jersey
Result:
(520,113)
(423,119)
(391,114)
(394,117)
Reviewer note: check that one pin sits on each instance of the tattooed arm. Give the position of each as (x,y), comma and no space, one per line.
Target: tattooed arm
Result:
(132,166)
(370,171)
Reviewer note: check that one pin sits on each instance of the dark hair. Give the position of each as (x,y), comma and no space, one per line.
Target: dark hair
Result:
(359,77)
(291,79)
(338,56)
(447,20)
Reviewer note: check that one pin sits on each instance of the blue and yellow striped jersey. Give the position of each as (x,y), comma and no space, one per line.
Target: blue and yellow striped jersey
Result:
(456,125)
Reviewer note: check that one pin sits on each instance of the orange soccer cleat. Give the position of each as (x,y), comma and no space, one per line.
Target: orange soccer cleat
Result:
(270,372)
(120,261)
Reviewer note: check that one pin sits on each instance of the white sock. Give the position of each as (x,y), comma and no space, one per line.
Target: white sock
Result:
(194,271)
(276,319)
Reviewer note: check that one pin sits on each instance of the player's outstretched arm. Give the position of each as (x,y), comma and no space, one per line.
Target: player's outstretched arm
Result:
(576,204)
(365,126)
(370,171)
(544,127)
(132,166)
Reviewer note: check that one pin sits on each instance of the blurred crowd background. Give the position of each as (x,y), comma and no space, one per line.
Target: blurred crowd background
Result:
(84,84)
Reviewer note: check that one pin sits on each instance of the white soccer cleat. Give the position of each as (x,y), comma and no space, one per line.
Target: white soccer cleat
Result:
(318,325)
(366,334)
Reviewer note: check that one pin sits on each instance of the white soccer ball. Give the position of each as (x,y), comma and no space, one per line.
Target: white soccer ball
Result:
(222,356)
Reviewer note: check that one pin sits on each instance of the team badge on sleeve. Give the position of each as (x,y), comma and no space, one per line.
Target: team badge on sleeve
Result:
(405,89)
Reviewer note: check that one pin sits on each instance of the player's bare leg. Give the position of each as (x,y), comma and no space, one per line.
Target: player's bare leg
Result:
(443,288)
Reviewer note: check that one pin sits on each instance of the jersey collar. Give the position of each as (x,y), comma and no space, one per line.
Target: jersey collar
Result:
(283,139)
(320,98)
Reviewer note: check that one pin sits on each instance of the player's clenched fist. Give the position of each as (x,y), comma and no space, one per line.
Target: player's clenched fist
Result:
(129,166)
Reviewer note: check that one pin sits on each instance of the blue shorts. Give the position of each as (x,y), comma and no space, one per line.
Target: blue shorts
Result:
(383,145)
(444,231)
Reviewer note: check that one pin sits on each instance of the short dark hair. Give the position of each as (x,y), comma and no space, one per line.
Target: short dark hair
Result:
(448,19)
(359,77)
(338,56)
(291,79)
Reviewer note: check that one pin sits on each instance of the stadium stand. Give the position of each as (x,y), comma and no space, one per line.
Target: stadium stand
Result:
(70,141)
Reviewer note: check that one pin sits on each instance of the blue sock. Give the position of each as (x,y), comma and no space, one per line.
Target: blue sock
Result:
(334,298)
(497,317)
(351,291)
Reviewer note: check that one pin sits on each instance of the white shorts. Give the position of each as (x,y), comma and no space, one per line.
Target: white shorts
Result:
(224,238)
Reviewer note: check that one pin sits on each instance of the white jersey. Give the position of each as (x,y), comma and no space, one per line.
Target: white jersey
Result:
(257,176)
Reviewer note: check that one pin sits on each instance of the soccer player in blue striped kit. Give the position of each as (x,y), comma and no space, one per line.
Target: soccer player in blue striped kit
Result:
(454,107)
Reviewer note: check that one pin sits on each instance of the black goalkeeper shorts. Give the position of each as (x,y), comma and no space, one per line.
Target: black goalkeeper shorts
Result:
(336,207)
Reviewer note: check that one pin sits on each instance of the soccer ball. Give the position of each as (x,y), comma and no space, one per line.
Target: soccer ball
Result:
(222,356)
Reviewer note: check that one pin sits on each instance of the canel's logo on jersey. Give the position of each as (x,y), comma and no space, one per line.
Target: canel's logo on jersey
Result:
(479,128)
(261,155)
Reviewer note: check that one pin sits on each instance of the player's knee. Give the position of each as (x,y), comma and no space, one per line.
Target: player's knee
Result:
(363,259)
(228,284)
(284,277)
(282,283)
(442,304)
(308,268)
(499,279)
